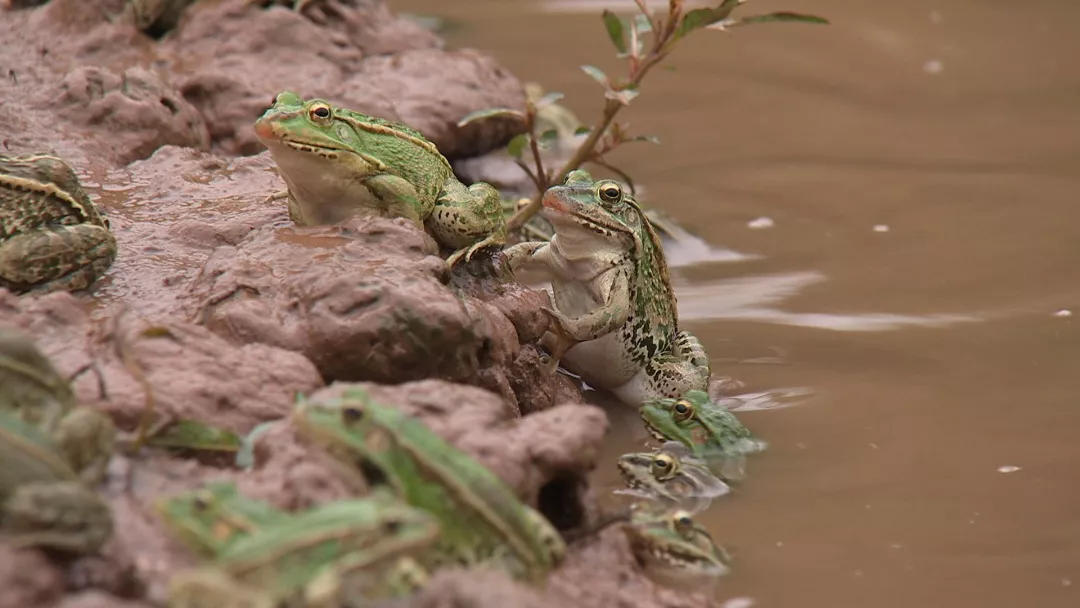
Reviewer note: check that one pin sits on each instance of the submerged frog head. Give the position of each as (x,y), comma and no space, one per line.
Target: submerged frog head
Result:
(314,142)
(672,543)
(708,429)
(593,217)
(32,388)
(670,478)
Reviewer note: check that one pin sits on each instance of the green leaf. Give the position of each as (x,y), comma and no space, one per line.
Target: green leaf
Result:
(624,96)
(517,145)
(488,113)
(780,17)
(641,24)
(597,74)
(702,17)
(582,130)
(614,27)
(548,99)
(194,435)
(549,136)
(245,456)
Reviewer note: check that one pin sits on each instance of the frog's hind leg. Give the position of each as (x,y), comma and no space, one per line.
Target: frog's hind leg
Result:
(68,258)
(685,368)
(66,516)
(467,219)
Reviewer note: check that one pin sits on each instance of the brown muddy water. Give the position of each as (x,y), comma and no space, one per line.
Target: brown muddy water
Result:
(918,163)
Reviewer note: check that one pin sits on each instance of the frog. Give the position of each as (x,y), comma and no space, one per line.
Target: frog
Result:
(671,543)
(311,556)
(337,163)
(709,430)
(614,320)
(43,502)
(482,520)
(213,517)
(35,392)
(671,477)
(52,237)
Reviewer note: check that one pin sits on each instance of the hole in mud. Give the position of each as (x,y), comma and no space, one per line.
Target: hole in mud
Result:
(560,501)
(483,355)
(170,104)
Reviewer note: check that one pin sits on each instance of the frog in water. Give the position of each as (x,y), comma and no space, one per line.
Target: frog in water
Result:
(482,519)
(709,430)
(672,478)
(614,320)
(51,235)
(337,162)
(313,555)
(671,544)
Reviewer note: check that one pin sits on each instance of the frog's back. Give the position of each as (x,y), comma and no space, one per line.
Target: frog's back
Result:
(40,190)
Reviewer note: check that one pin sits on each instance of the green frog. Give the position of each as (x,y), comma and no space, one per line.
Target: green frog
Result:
(672,544)
(51,235)
(44,503)
(215,516)
(709,430)
(482,519)
(312,556)
(614,321)
(34,391)
(337,162)
(672,478)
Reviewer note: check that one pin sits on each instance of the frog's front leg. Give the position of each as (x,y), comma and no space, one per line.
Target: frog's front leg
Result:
(207,586)
(602,320)
(530,253)
(66,258)
(86,438)
(467,219)
(399,197)
(66,516)
(670,375)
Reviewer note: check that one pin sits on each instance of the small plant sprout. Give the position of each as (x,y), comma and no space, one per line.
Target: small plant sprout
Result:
(642,41)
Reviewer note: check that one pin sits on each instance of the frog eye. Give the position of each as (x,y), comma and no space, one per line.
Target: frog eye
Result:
(202,501)
(319,112)
(682,520)
(392,526)
(683,410)
(662,463)
(352,414)
(609,192)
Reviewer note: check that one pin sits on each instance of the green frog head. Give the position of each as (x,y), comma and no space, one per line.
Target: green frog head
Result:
(672,543)
(215,516)
(672,479)
(708,429)
(598,218)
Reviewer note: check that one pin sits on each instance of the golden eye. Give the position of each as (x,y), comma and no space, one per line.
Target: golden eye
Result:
(609,192)
(319,112)
(683,410)
(662,463)
(682,520)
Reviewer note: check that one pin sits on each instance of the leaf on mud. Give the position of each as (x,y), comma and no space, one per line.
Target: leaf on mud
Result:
(614,27)
(548,99)
(517,145)
(194,435)
(157,331)
(488,113)
(245,456)
(597,74)
(781,17)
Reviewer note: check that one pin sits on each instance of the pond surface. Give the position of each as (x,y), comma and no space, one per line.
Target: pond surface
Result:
(917,163)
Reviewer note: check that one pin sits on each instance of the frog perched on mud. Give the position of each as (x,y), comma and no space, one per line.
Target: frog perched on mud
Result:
(337,162)
(51,235)
(614,320)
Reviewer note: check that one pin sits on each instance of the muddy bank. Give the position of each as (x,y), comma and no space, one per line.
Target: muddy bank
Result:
(219,309)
